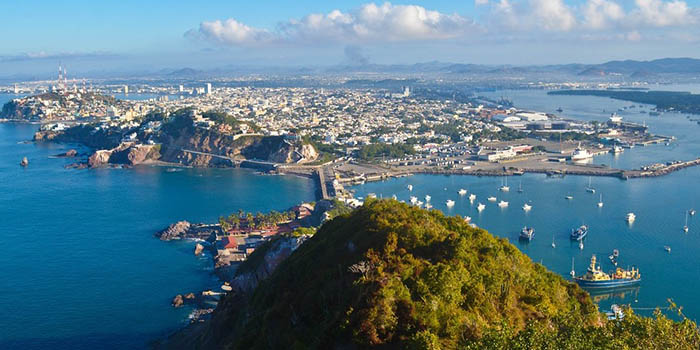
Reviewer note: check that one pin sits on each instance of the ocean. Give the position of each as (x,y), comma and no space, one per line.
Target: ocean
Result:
(81,268)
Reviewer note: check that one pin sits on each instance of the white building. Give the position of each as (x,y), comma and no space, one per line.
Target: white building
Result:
(208,88)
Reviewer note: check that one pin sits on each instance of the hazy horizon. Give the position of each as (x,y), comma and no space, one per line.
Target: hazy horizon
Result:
(144,37)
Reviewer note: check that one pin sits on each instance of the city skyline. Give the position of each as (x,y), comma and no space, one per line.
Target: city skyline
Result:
(130,36)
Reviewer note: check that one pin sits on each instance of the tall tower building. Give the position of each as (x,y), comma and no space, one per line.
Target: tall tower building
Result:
(208,88)
(126,89)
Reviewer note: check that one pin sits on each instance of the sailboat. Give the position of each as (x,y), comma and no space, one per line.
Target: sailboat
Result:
(520,187)
(589,188)
(504,187)
(410,187)
(462,192)
(685,228)
(573,272)
(553,244)
(600,202)
(580,245)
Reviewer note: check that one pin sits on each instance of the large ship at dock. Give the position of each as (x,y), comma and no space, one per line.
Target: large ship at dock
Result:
(596,278)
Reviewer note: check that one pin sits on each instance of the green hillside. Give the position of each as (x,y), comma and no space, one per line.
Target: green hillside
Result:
(391,276)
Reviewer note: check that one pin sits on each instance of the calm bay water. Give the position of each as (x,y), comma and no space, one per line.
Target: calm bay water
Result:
(659,203)
(80,266)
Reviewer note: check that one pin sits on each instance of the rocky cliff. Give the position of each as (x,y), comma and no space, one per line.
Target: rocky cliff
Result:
(125,153)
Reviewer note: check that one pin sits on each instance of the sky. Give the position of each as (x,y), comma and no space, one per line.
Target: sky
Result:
(141,36)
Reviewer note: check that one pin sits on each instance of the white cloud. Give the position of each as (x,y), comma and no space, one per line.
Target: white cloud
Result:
(374,23)
(553,14)
(659,13)
(369,23)
(600,14)
(231,32)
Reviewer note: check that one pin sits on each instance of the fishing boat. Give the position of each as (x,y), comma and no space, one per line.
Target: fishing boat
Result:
(630,217)
(667,248)
(615,313)
(492,199)
(527,207)
(462,192)
(527,233)
(580,233)
(589,188)
(450,203)
(427,198)
(569,197)
(600,201)
(472,197)
(685,228)
(410,187)
(480,207)
(503,204)
(504,187)
(596,278)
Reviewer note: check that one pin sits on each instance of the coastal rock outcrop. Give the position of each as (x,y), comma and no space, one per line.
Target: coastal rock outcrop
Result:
(125,153)
(186,230)
(67,154)
(177,230)
(198,249)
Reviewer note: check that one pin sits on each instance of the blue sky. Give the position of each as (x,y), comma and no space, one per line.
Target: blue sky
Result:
(147,35)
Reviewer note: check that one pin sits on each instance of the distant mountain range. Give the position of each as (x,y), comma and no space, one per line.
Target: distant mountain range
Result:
(627,68)
(638,69)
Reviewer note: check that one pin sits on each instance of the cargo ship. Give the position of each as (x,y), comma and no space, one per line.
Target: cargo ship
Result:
(596,278)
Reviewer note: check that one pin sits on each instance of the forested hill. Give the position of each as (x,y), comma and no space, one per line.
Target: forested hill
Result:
(391,276)
(663,100)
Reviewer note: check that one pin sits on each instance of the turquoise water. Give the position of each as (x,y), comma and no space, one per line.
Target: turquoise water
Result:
(80,266)
(659,203)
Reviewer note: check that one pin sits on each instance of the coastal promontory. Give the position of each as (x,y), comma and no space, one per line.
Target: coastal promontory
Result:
(393,276)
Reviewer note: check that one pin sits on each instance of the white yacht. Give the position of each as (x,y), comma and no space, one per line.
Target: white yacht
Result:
(467,218)
(691,212)
(462,192)
(630,218)
(410,187)
(427,198)
(413,200)
(450,203)
(527,207)
(502,204)
(472,197)
(569,197)
(428,206)
(480,207)
(492,199)
(616,149)
(589,188)
(393,196)
(504,187)
(600,202)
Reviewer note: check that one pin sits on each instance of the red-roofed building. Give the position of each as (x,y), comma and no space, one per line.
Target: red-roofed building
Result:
(229,242)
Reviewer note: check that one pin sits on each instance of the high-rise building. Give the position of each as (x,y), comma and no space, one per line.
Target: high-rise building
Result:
(126,89)
(182,88)
(208,88)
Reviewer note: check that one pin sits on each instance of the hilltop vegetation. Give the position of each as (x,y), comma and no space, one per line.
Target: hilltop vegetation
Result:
(391,276)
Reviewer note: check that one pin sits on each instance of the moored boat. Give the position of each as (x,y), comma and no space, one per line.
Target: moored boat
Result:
(527,233)
(579,233)
(596,278)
